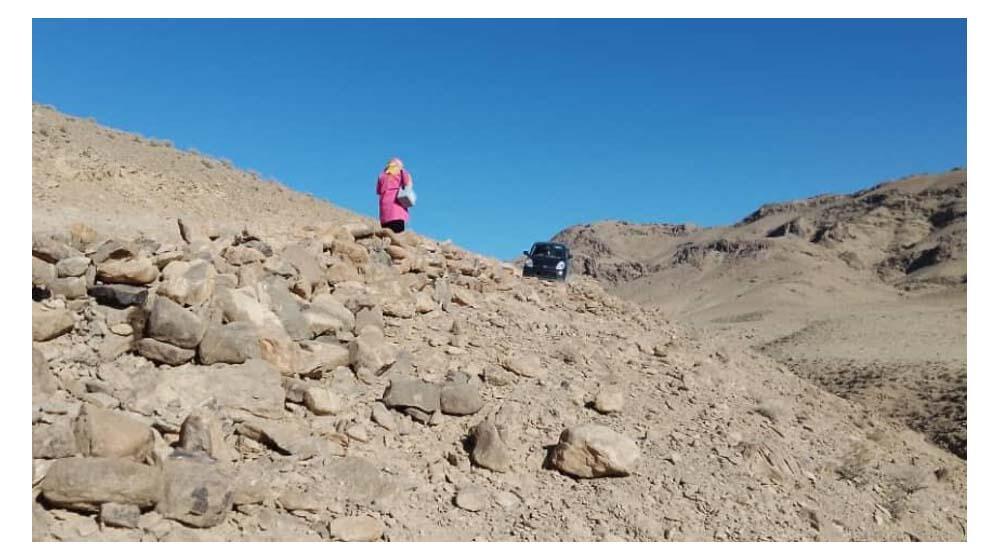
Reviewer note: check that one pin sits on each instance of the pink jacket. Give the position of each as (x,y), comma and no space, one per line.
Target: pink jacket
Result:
(386,188)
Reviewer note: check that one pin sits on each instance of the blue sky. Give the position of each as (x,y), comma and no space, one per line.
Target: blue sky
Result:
(515,129)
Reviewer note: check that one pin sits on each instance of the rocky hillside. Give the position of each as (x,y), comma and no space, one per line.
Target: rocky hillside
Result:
(330,380)
(864,293)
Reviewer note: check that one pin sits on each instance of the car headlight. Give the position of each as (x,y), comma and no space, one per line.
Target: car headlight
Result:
(528,263)
(561,265)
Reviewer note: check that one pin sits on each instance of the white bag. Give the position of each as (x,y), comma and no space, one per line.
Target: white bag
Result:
(406,197)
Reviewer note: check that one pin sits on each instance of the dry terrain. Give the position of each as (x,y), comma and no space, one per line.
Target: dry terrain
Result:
(862,293)
(219,358)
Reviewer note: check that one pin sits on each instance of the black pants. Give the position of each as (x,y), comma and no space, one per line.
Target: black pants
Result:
(396,226)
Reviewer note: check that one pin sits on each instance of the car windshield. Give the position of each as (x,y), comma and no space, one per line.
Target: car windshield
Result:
(548,251)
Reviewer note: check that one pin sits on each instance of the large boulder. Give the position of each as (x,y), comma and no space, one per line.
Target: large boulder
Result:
(592,451)
(188,283)
(47,324)
(254,387)
(50,249)
(137,271)
(169,322)
(85,483)
(232,343)
(102,433)
(241,305)
(53,441)
(196,493)
(357,528)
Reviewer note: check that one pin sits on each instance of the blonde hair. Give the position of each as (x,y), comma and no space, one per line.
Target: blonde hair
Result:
(394,167)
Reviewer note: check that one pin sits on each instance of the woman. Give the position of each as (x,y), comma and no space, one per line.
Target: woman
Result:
(391,213)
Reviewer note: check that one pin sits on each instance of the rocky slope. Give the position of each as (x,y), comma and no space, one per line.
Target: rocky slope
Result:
(325,379)
(864,293)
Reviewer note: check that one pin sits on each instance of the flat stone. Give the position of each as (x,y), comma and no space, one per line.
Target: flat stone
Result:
(53,441)
(472,498)
(43,383)
(232,343)
(382,417)
(412,393)
(137,271)
(163,353)
(86,482)
(525,365)
(201,434)
(360,528)
(120,515)
(118,296)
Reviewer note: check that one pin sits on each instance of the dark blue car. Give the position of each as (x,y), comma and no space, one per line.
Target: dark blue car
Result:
(547,260)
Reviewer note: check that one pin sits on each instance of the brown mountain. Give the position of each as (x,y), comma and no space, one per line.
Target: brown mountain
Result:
(863,293)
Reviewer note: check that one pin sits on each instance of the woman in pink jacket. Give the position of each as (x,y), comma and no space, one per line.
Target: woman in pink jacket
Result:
(391,214)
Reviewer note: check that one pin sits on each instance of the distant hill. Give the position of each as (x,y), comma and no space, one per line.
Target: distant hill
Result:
(864,286)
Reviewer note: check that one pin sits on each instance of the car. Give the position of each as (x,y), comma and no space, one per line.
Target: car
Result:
(547,260)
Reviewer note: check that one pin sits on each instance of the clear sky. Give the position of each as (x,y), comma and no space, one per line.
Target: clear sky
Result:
(516,129)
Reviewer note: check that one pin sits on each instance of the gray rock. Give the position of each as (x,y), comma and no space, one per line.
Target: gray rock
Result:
(201,433)
(102,433)
(86,482)
(283,305)
(371,354)
(368,317)
(69,288)
(337,313)
(114,249)
(43,383)
(321,401)
(53,441)
(190,232)
(47,324)
(316,358)
(163,353)
(188,283)
(412,393)
(305,263)
(232,343)
(442,293)
(42,273)
(460,399)
(490,451)
(195,493)
(118,296)
(382,417)
(169,322)
(51,250)
(524,365)
(120,515)
(609,400)
(283,437)
(592,451)
(359,528)
(72,267)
